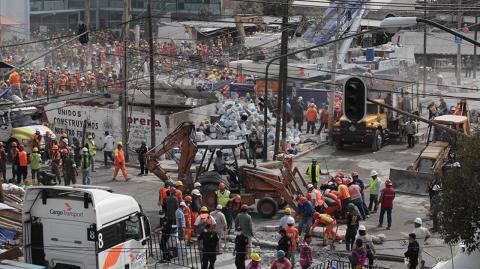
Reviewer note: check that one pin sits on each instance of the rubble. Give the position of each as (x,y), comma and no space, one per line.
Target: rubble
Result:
(11,222)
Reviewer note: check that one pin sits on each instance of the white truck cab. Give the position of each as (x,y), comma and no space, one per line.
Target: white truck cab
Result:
(83,227)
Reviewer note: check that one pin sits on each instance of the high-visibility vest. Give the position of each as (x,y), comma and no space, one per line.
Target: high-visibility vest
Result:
(325,218)
(22,158)
(223,197)
(317,173)
(374,185)
(91,147)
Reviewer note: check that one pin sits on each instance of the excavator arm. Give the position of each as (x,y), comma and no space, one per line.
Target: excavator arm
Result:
(183,137)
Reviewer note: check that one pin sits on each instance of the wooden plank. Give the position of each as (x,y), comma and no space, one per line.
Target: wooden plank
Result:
(11,254)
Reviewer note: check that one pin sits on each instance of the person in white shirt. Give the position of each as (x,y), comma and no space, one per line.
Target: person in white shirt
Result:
(422,234)
(108,146)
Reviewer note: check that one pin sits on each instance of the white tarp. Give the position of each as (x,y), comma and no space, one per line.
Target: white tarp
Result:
(461,260)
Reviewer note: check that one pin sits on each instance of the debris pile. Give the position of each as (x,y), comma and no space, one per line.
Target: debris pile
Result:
(11,221)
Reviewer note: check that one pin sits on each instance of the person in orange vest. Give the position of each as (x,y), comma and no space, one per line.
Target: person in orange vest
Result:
(14,80)
(163,194)
(56,162)
(329,234)
(294,236)
(334,203)
(179,190)
(315,198)
(22,164)
(343,193)
(120,163)
(311,117)
(188,219)
(62,84)
(73,84)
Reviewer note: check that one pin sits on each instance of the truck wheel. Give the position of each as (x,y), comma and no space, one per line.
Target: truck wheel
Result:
(208,195)
(377,140)
(267,207)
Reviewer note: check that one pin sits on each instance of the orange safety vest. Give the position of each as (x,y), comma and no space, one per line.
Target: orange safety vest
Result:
(292,233)
(343,189)
(63,84)
(22,158)
(162,195)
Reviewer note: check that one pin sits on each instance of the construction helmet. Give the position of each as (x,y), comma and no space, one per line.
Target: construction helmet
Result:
(196,192)
(178,183)
(290,221)
(120,143)
(221,186)
(373,173)
(310,186)
(65,140)
(90,136)
(436,187)
(288,211)
(354,174)
(204,209)
(255,257)
(237,198)
(244,207)
(418,221)
(347,181)
(197,185)
(388,182)
(54,147)
(64,152)
(188,198)
(303,200)
(35,149)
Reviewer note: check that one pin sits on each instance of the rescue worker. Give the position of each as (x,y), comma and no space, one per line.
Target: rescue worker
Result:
(245,223)
(35,163)
(141,158)
(68,167)
(48,145)
(342,193)
(313,172)
(163,194)
(85,167)
(77,150)
(180,220)
(422,235)
(120,163)
(13,157)
(223,197)
(356,180)
(306,252)
(3,163)
(92,150)
(203,220)
(284,241)
(386,200)
(208,239)
(356,196)
(305,210)
(329,234)
(22,164)
(374,188)
(196,205)
(179,190)
(37,139)
(221,227)
(56,163)
(311,117)
(254,263)
(315,197)
(188,218)
(294,236)
(284,219)
(234,205)
(353,221)
(367,240)
(333,202)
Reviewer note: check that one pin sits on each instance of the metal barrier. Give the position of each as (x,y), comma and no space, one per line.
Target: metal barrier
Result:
(168,248)
(340,265)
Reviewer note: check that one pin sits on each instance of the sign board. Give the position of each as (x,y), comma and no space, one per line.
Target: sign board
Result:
(272,87)
(458,40)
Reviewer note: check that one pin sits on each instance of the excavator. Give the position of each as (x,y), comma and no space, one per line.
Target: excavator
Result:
(265,189)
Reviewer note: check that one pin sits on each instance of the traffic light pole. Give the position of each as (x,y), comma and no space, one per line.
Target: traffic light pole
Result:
(265,113)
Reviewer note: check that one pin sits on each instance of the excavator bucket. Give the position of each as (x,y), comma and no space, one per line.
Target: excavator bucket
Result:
(411,182)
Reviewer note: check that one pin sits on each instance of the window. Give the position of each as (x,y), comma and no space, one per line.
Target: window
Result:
(119,232)
(133,229)
(372,109)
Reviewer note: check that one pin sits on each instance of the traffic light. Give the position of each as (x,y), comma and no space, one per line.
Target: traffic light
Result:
(82,28)
(354,99)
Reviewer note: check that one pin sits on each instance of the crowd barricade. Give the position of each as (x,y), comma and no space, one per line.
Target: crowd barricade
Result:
(169,249)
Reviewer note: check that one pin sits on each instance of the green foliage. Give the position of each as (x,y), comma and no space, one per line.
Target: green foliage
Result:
(460,202)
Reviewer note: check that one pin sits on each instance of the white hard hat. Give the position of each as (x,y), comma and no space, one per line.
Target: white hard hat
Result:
(309,186)
(418,221)
(197,185)
(85,149)
(196,192)
(290,220)
(65,140)
(219,207)
(183,204)
(436,187)
(53,136)
(373,173)
(362,228)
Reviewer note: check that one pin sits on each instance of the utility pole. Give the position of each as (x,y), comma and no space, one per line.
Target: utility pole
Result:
(282,86)
(331,101)
(475,49)
(152,76)
(458,72)
(424,50)
(126,29)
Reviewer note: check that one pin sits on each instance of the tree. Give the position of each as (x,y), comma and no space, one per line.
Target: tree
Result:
(459,201)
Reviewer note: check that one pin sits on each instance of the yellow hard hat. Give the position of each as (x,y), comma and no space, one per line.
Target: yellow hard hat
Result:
(120,143)
(288,210)
(35,149)
(204,209)
(178,183)
(255,257)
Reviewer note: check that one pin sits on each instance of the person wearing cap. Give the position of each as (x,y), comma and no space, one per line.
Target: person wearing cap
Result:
(223,197)
(180,220)
(92,150)
(222,225)
(244,222)
(85,167)
(35,162)
(3,163)
(294,235)
(313,173)
(305,210)
(56,163)
(209,241)
(422,235)
(387,196)
(22,161)
(329,234)
(352,221)
(315,197)
(108,147)
(283,220)
(306,252)
(255,262)
(413,251)
(241,249)
(281,262)
(374,188)
(141,158)
(120,163)
(368,242)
